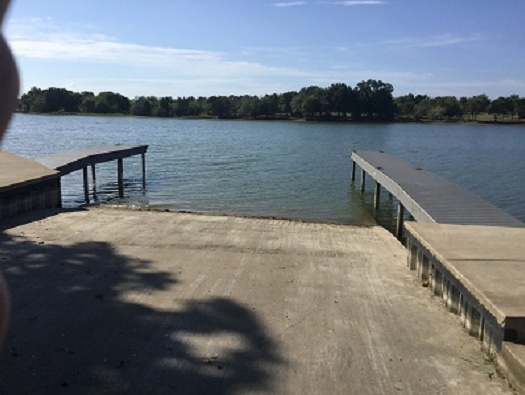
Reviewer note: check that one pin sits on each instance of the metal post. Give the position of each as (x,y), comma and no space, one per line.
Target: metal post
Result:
(353,171)
(363,177)
(120,176)
(94,178)
(399,225)
(86,184)
(59,191)
(143,170)
(377,195)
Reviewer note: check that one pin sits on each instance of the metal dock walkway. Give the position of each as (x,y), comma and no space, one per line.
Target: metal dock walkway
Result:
(70,161)
(428,197)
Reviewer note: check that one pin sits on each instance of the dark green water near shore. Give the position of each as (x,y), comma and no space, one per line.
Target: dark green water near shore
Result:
(273,168)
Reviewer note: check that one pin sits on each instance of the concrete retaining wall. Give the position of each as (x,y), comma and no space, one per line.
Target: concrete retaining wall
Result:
(35,196)
(504,340)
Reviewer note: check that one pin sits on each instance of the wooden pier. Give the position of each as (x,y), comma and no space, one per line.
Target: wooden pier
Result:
(426,196)
(71,161)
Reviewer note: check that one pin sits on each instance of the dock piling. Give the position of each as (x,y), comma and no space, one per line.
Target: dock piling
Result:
(363,180)
(120,176)
(143,156)
(377,195)
(399,222)
(94,179)
(86,184)
(353,171)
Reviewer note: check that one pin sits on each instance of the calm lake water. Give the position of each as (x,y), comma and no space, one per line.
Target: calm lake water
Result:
(283,169)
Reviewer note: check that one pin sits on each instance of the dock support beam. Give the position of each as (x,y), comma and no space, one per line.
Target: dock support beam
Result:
(399,222)
(363,180)
(377,195)
(120,176)
(94,179)
(353,171)
(143,155)
(86,184)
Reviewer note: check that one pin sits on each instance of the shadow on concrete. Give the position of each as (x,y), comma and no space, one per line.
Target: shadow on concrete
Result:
(73,330)
(33,216)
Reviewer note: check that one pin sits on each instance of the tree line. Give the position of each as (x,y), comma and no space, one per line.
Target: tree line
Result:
(368,100)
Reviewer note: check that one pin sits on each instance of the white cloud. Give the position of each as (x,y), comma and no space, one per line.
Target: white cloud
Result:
(290,4)
(357,2)
(99,49)
(443,40)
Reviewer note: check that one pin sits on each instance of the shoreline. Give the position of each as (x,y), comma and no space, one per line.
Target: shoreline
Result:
(320,119)
(224,214)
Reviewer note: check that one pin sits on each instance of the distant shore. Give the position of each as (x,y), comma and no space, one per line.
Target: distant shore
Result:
(483,120)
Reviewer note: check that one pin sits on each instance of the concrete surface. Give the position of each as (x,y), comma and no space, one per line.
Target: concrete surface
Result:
(114,301)
(513,357)
(16,172)
(488,260)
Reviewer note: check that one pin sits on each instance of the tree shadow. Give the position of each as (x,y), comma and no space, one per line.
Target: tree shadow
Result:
(73,328)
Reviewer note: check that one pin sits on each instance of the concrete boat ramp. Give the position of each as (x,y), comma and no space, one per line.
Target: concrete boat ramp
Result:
(118,301)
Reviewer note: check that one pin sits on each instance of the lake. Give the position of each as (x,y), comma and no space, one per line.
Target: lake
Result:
(284,169)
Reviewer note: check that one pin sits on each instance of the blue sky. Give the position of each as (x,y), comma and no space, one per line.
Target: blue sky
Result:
(222,47)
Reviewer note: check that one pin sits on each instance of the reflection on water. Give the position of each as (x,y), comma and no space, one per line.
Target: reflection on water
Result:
(280,169)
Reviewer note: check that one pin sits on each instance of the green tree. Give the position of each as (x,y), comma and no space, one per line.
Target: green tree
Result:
(423,109)
(165,108)
(219,106)
(498,107)
(249,107)
(196,106)
(296,105)
(111,103)
(60,100)
(521,108)
(312,105)
(406,105)
(340,99)
(513,103)
(450,107)
(285,102)
(477,105)
(268,105)
(375,100)
(88,103)
(141,106)
(33,101)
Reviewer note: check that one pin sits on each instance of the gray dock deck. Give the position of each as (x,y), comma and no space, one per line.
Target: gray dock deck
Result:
(428,197)
(70,161)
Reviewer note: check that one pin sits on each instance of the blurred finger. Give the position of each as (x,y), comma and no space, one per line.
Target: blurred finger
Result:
(4,4)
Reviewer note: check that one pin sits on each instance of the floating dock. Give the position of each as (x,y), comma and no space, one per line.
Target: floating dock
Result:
(464,249)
